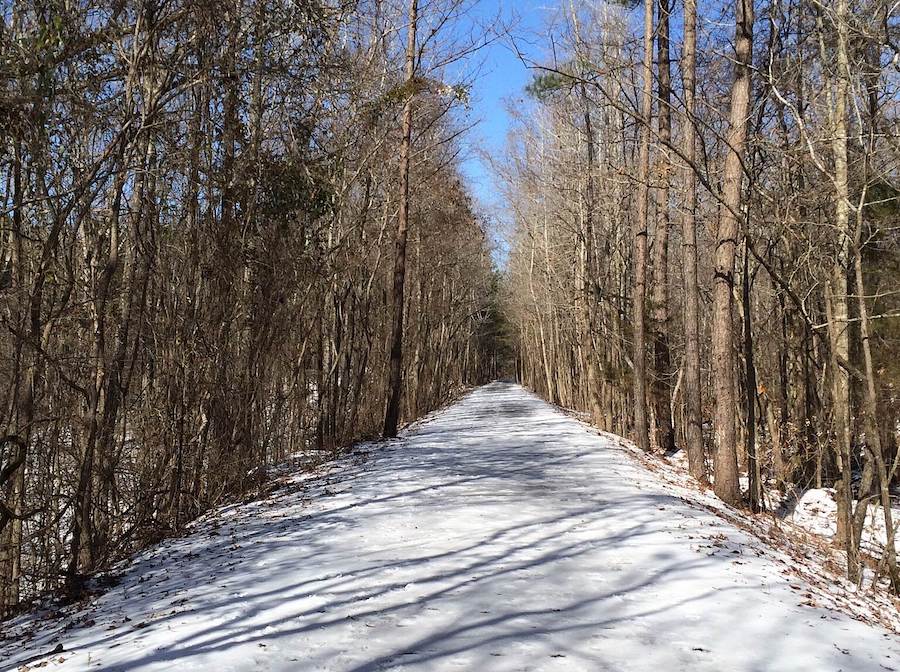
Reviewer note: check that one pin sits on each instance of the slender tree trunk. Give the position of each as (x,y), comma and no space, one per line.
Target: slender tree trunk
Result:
(589,296)
(395,375)
(665,434)
(727,486)
(873,436)
(22,407)
(693,409)
(641,429)
(838,325)
(753,468)
(876,445)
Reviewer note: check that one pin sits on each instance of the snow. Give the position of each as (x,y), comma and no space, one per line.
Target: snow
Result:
(816,511)
(500,534)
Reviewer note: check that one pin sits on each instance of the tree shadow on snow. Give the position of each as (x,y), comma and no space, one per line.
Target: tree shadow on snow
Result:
(247,580)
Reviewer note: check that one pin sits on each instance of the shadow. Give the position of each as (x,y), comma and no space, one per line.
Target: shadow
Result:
(789,502)
(500,531)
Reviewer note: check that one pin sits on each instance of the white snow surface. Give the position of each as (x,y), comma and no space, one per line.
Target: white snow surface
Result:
(817,512)
(500,534)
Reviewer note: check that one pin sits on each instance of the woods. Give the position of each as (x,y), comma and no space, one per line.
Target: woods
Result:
(235,233)
(768,351)
(199,216)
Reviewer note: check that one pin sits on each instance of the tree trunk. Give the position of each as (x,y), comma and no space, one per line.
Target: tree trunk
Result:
(753,468)
(641,429)
(873,437)
(665,434)
(838,325)
(727,486)
(591,357)
(693,409)
(395,375)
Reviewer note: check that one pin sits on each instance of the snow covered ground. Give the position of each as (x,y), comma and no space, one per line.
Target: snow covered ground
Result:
(816,511)
(499,535)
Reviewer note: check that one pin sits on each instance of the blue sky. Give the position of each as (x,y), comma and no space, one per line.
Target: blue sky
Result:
(503,76)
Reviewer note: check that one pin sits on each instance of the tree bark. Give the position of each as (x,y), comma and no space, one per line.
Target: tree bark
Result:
(754,475)
(838,325)
(662,364)
(693,409)
(592,357)
(395,368)
(641,429)
(727,486)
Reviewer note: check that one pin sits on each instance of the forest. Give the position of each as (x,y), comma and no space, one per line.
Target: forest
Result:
(705,252)
(197,260)
(235,233)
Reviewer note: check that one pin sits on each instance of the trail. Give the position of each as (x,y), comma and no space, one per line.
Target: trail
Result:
(498,535)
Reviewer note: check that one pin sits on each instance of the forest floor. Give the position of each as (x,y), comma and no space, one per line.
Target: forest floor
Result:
(499,534)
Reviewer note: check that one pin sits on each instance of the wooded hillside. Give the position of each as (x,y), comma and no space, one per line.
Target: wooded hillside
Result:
(197,246)
(706,247)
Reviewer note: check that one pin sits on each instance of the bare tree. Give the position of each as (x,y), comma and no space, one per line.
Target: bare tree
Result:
(395,383)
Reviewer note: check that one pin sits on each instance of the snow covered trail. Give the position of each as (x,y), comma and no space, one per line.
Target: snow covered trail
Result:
(499,535)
